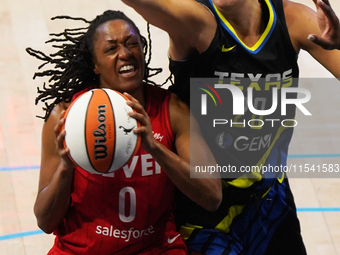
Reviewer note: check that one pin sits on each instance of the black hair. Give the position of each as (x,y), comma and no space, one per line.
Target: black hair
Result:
(73,62)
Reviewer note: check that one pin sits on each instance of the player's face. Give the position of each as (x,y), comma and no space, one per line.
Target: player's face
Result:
(119,57)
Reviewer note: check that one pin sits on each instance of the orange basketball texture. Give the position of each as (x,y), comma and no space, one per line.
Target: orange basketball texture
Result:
(99,131)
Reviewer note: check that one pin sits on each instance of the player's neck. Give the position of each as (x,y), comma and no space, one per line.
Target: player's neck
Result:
(247,20)
(140,95)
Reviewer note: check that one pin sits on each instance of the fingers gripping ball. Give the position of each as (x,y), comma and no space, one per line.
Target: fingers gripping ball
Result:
(99,131)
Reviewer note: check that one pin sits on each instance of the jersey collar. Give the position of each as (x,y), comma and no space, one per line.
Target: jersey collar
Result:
(264,37)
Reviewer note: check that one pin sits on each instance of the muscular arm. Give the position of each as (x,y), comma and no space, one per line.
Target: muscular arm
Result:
(191,27)
(193,151)
(301,22)
(205,191)
(56,175)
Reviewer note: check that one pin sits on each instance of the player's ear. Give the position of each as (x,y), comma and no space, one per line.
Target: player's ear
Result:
(95,69)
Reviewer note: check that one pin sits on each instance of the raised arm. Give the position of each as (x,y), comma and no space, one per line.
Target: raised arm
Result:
(191,27)
(56,175)
(302,22)
(205,191)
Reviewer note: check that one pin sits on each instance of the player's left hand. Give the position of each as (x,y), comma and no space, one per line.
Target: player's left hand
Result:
(329,25)
(145,130)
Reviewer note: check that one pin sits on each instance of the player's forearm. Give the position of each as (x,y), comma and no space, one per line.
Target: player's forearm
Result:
(167,15)
(204,191)
(144,5)
(151,10)
(53,201)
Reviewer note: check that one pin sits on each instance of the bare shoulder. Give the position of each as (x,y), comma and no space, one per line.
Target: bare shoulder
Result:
(295,12)
(301,21)
(290,6)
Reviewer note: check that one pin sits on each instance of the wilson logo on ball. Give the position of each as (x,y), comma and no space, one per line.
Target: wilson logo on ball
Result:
(91,124)
(100,148)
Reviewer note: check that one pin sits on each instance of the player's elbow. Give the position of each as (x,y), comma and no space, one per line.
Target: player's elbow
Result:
(213,201)
(44,223)
(216,202)
(46,227)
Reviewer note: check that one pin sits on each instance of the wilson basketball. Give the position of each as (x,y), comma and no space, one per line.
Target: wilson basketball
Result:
(99,131)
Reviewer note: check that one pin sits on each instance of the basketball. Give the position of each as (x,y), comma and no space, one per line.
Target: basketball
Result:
(99,131)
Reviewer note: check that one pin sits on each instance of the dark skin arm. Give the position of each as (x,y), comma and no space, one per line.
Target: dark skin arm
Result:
(56,174)
(57,170)
(206,190)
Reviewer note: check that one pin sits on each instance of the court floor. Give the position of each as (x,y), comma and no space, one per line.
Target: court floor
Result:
(316,141)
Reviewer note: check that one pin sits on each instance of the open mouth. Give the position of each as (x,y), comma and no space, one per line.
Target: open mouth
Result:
(127,70)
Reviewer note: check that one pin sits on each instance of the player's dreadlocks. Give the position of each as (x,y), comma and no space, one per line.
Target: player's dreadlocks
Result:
(73,62)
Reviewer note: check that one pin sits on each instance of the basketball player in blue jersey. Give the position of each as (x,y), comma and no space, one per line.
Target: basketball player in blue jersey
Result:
(231,39)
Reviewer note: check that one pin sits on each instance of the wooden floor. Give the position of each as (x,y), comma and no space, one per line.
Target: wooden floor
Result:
(27,23)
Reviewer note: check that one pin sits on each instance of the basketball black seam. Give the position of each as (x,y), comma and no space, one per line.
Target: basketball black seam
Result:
(87,151)
(115,132)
